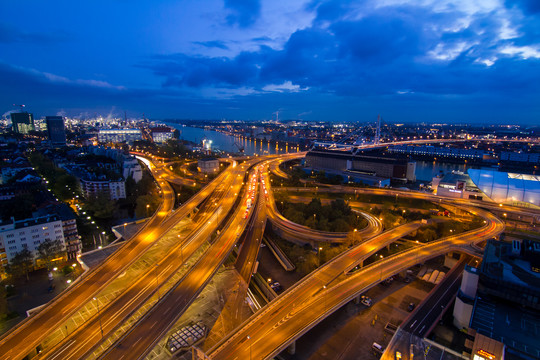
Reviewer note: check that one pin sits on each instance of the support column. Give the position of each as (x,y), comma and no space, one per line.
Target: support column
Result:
(357,300)
(291,349)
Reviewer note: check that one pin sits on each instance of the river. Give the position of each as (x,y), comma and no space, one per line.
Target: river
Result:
(425,170)
(228,143)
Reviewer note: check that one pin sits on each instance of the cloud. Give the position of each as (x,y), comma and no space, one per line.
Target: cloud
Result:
(213,44)
(10,34)
(243,12)
(389,50)
(287,86)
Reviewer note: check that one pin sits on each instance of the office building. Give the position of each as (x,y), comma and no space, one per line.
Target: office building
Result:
(344,160)
(55,130)
(22,122)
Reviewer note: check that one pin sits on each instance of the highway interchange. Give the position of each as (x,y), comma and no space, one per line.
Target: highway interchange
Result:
(217,216)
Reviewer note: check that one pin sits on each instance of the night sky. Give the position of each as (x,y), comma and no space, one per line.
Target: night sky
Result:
(462,61)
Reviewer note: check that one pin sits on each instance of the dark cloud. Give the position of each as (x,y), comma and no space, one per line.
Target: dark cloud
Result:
(213,44)
(384,54)
(528,6)
(243,12)
(9,34)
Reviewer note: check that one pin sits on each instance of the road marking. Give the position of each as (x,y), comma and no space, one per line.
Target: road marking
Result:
(64,349)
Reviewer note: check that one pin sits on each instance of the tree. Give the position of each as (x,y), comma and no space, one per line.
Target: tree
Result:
(22,262)
(101,206)
(50,250)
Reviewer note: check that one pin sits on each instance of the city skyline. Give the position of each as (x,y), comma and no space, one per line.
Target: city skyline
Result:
(450,61)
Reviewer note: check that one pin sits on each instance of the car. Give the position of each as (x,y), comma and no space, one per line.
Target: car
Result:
(411,307)
(276,286)
(366,301)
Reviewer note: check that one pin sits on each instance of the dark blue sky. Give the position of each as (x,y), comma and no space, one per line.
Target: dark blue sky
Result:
(460,61)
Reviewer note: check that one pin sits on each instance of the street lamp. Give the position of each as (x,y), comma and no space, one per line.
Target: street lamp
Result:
(319,256)
(181,251)
(354,235)
(249,338)
(324,297)
(99,316)
(157,281)
(147,207)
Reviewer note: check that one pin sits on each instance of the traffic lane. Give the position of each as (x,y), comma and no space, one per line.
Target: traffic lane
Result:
(115,312)
(137,342)
(250,248)
(272,332)
(138,292)
(21,342)
(354,284)
(430,310)
(78,294)
(150,329)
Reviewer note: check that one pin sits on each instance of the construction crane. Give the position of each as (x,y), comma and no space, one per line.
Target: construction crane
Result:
(240,148)
(21,106)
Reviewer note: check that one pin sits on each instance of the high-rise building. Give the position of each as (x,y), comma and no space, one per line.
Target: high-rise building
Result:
(55,129)
(22,122)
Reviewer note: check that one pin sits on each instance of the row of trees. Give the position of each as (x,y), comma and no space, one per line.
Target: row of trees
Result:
(23,261)
(336,217)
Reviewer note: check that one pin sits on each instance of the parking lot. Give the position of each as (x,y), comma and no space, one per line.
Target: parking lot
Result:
(350,332)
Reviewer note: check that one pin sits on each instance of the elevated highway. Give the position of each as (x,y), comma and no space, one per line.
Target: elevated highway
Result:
(149,330)
(303,306)
(79,343)
(24,338)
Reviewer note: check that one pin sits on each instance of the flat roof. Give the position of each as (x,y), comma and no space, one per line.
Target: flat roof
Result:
(515,326)
(487,347)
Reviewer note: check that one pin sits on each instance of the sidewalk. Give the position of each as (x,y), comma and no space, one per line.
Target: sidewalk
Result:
(34,293)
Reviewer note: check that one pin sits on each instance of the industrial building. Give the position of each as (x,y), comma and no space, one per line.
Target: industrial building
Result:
(456,184)
(119,135)
(342,161)
(507,188)
(500,299)
(437,151)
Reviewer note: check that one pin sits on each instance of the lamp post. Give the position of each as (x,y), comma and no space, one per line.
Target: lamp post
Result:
(354,236)
(181,251)
(324,297)
(147,207)
(381,269)
(319,257)
(157,282)
(99,317)
(249,338)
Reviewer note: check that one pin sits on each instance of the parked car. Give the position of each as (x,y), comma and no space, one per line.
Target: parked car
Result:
(411,307)
(366,300)
(276,286)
